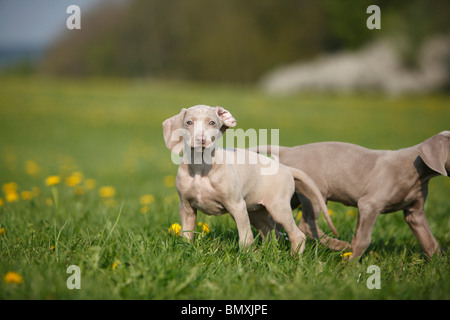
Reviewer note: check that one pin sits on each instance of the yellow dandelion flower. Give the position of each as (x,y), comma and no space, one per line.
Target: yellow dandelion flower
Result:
(346,256)
(169,181)
(26,195)
(12,277)
(144,209)
(10,187)
(71,182)
(351,213)
(32,168)
(12,197)
(299,215)
(175,229)
(115,264)
(2,231)
(90,183)
(107,192)
(52,180)
(52,248)
(147,199)
(330,212)
(205,229)
(74,179)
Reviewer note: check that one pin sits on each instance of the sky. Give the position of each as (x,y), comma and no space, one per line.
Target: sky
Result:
(36,23)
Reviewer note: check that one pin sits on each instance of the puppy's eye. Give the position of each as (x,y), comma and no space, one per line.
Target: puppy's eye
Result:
(189,122)
(212,123)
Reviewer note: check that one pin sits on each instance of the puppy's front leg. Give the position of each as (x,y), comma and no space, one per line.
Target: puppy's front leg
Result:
(417,220)
(368,213)
(240,215)
(188,216)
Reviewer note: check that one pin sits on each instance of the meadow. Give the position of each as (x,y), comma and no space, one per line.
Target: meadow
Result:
(87,181)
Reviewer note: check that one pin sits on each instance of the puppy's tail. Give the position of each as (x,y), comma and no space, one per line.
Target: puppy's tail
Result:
(308,187)
(270,150)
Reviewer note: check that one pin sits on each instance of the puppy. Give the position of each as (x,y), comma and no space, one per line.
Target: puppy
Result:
(375,181)
(218,181)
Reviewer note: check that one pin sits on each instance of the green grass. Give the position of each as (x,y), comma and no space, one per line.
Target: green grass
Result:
(110,131)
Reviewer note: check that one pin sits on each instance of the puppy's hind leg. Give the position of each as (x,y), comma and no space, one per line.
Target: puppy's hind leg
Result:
(309,225)
(261,220)
(282,214)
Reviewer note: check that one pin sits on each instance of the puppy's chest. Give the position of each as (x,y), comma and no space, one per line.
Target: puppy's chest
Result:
(203,195)
(404,195)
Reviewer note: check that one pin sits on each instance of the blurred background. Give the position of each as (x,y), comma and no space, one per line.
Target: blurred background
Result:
(283,46)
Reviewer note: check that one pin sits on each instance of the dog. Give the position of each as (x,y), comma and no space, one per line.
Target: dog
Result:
(375,181)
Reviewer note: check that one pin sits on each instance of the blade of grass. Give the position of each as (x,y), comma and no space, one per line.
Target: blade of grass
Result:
(57,241)
(115,223)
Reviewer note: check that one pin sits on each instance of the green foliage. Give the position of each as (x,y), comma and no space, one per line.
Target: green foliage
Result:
(110,130)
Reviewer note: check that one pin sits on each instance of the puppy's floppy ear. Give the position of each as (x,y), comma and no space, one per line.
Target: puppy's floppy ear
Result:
(226,117)
(434,152)
(172,136)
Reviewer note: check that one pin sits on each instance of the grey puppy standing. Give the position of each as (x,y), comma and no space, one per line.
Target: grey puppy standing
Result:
(218,181)
(375,181)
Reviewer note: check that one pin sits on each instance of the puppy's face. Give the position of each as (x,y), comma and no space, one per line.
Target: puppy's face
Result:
(202,126)
(199,127)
